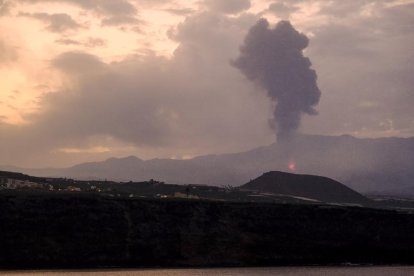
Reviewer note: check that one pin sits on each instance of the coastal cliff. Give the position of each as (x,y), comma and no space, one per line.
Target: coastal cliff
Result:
(73,231)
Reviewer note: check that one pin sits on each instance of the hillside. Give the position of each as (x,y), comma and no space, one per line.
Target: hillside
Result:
(73,231)
(18,182)
(365,165)
(309,186)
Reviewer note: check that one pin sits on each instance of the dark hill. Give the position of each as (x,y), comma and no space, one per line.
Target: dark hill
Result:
(309,186)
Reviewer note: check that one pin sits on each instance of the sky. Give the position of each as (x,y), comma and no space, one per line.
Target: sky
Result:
(85,80)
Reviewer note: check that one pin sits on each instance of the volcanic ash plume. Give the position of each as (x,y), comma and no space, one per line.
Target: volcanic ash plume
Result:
(273,59)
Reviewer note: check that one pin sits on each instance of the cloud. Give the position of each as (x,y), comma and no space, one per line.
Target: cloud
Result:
(90,42)
(190,104)
(196,103)
(5,7)
(282,9)
(8,53)
(228,6)
(105,102)
(114,13)
(57,22)
(105,7)
(78,64)
(68,41)
(180,11)
(94,42)
(85,150)
(363,55)
(120,20)
(148,99)
(340,9)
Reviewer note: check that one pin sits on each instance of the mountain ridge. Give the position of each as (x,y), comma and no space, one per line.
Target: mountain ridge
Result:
(368,165)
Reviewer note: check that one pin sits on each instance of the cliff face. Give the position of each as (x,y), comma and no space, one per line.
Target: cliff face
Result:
(83,231)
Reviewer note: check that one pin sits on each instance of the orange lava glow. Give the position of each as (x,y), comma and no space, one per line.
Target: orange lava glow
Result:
(292,166)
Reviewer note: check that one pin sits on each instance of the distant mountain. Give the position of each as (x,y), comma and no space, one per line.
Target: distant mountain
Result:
(365,165)
(308,186)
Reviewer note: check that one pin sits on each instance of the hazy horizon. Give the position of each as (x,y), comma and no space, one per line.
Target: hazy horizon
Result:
(126,155)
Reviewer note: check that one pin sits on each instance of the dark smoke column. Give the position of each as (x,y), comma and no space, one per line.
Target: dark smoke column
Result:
(273,59)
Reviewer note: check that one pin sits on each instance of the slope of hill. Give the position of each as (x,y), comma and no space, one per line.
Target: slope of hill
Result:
(308,186)
(365,165)
(73,231)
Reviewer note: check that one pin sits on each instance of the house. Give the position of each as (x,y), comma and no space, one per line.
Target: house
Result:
(73,189)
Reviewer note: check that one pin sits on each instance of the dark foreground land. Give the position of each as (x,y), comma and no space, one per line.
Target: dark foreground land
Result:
(47,230)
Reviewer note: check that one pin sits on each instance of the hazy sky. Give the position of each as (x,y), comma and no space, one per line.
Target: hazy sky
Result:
(90,79)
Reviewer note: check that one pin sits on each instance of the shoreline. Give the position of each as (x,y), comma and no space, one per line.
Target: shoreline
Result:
(110,271)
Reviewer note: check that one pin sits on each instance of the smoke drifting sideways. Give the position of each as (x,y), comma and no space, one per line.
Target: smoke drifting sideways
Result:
(273,59)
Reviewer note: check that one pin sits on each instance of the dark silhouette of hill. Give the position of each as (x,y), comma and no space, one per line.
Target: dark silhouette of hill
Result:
(365,165)
(308,186)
